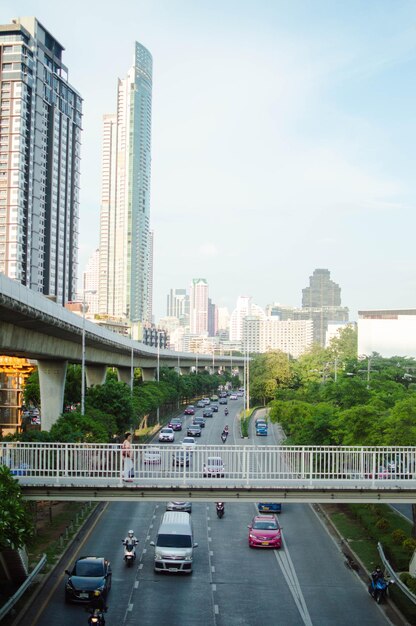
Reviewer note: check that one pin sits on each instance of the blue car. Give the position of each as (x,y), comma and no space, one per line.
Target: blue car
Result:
(269,507)
(261,428)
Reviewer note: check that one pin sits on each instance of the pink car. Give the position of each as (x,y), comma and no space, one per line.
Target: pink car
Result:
(264,532)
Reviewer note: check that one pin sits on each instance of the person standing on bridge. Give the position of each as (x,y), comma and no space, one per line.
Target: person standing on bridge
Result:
(127,453)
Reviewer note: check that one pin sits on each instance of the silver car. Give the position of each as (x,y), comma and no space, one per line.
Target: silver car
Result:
(179,506)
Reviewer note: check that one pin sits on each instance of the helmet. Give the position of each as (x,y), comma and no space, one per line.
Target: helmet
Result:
(130,533)
(378,568)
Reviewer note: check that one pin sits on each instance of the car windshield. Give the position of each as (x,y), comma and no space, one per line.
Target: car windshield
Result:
(174,541)
(88,568)
(265,526)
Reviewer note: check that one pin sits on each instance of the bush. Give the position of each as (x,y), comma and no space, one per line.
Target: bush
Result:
(382,524)
(409,581)
(409,545)
(398,536)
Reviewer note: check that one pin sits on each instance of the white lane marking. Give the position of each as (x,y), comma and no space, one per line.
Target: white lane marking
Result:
(136,584)
(213,569)
(214,587)
(211,553)
(209,538)
(289,572)
(144,550)
(148,537)
(130,607)
(216,609)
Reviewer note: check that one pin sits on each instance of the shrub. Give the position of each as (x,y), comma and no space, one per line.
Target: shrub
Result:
(382,524)
(409,545)
(398,536)
(409,581)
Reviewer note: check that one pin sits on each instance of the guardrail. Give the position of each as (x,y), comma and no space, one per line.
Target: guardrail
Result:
(58,463)
(411,596)
(16,597)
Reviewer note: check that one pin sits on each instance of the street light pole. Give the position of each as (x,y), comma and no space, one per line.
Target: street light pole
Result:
(158,370)
(84,292)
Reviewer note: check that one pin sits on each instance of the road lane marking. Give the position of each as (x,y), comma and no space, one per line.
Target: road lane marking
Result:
(289,572)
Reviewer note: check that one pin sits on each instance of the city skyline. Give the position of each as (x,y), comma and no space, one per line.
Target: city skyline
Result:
(269,159)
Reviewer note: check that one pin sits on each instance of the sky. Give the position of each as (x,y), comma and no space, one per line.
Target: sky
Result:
(283,139)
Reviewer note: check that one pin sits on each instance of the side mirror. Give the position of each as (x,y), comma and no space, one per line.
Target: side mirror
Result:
(152,543)
(195,545)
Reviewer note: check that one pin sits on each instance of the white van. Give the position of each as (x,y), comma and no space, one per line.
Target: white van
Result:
(174,544)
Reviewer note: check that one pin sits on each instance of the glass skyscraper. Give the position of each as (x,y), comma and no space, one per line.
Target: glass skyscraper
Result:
(125,242)
(40,138)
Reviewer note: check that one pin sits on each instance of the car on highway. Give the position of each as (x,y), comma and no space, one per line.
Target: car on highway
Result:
(261,429)
(269,507)
(89,574)
(200,404)
(175,423)
(190,410)
(152,456)
(233,396)
(208,412)
(181,458)
(264,532)
(214,467)
(189,443)
(214,398)
(186,507)
(199,420)
(206,401)
(167,434)
(194,430)
(223,401)
(214,408)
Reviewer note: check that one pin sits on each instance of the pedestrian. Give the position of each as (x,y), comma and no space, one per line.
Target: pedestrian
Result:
(127,453)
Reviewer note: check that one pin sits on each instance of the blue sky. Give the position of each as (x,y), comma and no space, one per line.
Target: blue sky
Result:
(283,139)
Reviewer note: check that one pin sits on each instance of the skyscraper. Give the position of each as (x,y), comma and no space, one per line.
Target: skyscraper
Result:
(125,243)
(178,305)
(40,138)
(198,307)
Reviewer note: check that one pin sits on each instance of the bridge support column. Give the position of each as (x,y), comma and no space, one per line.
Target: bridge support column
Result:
(95,374)
(184,370)
(148,373)
(52,376)
(124,375)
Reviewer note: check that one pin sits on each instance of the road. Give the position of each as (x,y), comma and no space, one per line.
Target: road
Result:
(305,583)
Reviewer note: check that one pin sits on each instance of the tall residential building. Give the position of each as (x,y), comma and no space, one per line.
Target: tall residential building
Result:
(40,139)
(198,306)
(178,305)
(265,334)
(244,307)
(212,318)
(90,283)
(125,242)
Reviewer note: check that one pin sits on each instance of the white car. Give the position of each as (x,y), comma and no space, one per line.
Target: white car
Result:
(189,443)
(233,396)
(167,434)
(152,455)
(214,467)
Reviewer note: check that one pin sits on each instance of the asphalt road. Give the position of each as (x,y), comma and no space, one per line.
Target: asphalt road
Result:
(302,584)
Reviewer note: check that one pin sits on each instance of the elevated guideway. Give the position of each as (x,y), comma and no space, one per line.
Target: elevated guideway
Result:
(59,471)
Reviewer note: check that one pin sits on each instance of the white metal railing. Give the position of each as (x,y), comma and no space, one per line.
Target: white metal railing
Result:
(62,463)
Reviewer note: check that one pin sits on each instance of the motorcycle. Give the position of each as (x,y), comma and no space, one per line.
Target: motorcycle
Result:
(129,552)
(226,412)
(220,509)
(224,437)
(378,589)
(96,618)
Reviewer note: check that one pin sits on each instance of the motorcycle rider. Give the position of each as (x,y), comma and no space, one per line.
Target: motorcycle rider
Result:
(97,603)
(220,508)
(131,538)
(225,411)
(377,574)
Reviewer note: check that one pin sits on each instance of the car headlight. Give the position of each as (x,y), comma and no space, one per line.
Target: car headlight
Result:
(188,558)
(252,536)
(158,556)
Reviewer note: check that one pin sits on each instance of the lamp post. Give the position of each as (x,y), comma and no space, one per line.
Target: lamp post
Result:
(131,354)
(158,369)
(85,291)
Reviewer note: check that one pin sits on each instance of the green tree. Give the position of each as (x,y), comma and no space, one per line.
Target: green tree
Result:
(31,392)
(344,346)
(400,428)
(113,398)
(268,372)
(15,518)
(94,427)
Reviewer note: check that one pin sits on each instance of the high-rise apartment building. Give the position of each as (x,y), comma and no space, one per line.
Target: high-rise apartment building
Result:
(198,306)
(265,334)
(178,305)
(90,284)
(244,307)
(125,244)
(40,138)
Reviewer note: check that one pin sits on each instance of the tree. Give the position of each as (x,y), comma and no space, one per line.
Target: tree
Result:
(344,345)
(94,427)
(113,398)
(15,519)
(31,392)
(267,373)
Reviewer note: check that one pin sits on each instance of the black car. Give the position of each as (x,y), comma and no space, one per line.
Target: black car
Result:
(207,412)
(223,401)
(194,430)
(89,574)
(214,407)
(181,458)
(200,421)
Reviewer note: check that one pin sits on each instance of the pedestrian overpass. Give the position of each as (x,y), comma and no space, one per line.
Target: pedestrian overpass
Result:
(87,471)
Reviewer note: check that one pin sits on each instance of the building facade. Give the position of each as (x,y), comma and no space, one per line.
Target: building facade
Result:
(265,334)
(125,241)
(389,332)
(177,305)
(198,307)
(40,140)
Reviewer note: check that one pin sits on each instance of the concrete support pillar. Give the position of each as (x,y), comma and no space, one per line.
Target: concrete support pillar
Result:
(124,375)
(184,370)
(95,374)
(52,376)
(148,373)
